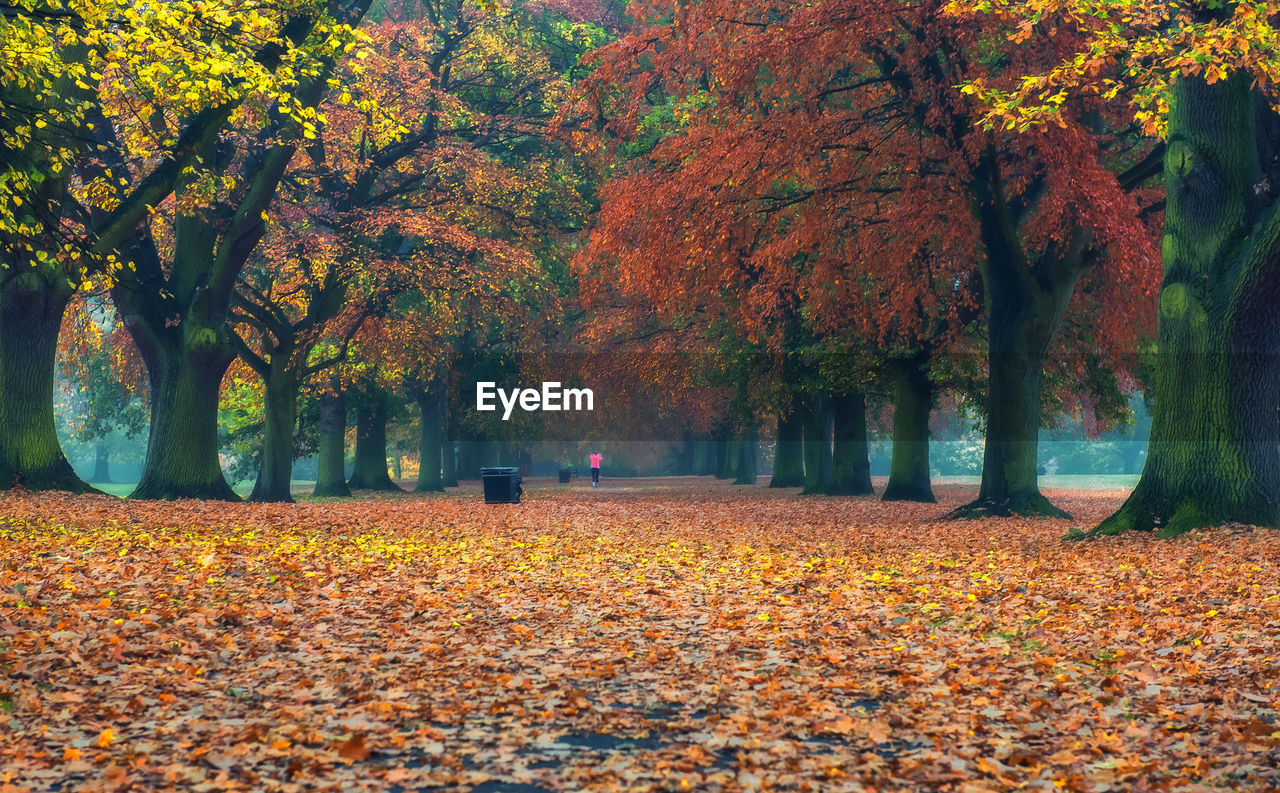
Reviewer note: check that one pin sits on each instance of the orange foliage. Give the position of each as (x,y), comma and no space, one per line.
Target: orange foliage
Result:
(650,637)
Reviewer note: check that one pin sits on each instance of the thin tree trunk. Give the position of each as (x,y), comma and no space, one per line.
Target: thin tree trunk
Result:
(275,466)
(850,460)
(449,465)
(788,455)
(430,477)
(331,477)
(369,471)
(748,455)
(101,464)
(1212,456)
(31,310)
(182,450)
(913,402)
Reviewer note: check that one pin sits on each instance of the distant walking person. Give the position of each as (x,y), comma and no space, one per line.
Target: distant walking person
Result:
(596,459)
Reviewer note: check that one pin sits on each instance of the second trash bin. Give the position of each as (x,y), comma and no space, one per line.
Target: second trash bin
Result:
(501,485)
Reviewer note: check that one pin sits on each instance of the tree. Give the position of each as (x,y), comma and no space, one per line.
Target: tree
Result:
(763,171)
(72,190)
(177,297)
(1207,88)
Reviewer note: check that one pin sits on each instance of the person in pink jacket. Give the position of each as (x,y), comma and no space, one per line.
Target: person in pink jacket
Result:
(596,459)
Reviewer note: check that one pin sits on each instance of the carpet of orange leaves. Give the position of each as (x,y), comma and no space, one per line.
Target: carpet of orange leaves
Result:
(658,636)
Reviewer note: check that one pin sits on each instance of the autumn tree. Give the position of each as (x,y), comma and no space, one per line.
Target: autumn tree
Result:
(75,184)
(1200,76)
(815,140)
(175,300)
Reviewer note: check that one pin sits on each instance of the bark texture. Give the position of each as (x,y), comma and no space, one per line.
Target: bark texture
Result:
(1213,455)
(31,309)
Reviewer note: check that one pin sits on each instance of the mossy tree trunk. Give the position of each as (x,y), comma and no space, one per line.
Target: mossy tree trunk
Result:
(850,458)
(369,469)
(817,446)
(331,475)
(182,450)
(788,454)
(1213,454)
(430,473)
(912,405)
(32,302)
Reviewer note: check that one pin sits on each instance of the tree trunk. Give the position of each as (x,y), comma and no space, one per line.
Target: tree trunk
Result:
(748,455)
(703,458)
(788,454)
(182,450)
(275,466)
(31,310)
(1212,457)
(468,468)
(850,461)
(913,402)
(817,447)
(725,461)
(1025,301)
(331,476)
(101,464)
(430,477)
(370,469)
(449,465)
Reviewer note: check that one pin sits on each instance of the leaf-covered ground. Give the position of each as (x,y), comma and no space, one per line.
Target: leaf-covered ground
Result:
(660,637)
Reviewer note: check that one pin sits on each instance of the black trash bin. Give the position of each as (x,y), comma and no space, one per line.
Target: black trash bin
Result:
(565,473)
(501,485)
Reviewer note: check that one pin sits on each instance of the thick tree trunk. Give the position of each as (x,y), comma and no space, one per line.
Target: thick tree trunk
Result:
(369,471)
(31,310)
(101,464)
(748,455)
(182,451)
(817,446)
(912,404)
(788,454)
(331,476)
(430,475)
(1213,456)
(850,461)
(275,466)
